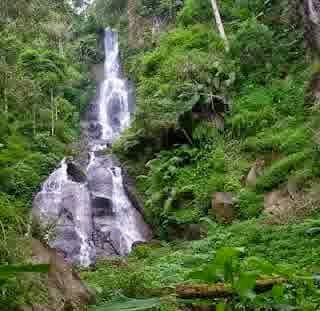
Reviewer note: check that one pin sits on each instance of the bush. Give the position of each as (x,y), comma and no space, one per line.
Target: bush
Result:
(279,171)
(250,204)
(194,12)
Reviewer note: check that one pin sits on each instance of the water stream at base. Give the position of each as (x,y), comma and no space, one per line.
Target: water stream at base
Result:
(93,215)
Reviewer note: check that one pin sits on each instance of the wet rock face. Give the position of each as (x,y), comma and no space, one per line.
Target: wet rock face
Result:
(102,207)
(94,130)
(100,182)
(131,191)
(115,111)
(85,198)
(76,173)
(310,12)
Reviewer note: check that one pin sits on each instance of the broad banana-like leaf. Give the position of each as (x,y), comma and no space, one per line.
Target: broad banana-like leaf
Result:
(129,305)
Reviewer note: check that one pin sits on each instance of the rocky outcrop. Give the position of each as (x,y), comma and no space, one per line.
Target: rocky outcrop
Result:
(75,172)
(224,207)
(284,205)
(255,171)
(306,14)
(131,190)
(312,23)
(66,291)
(313,92)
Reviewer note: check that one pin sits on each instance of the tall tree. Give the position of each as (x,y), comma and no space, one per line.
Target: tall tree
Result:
(219,23)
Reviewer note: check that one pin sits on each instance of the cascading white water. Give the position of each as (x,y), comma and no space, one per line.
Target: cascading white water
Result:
(52,189)
(89,206)
(56,180)
(113,104)
(57,193)
(126,216)
(83,225)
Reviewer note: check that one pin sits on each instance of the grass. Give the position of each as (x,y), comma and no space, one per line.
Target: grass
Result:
(148,271)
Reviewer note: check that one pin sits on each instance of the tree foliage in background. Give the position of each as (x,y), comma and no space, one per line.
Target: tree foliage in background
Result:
(41,85)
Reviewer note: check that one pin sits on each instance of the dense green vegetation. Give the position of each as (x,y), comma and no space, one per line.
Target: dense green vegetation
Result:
(42,83)
(205,116)
(265,249)
(260,91)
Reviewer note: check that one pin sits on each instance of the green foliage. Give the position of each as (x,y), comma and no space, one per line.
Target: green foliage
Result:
(238,255)
(9,271)
(180,183)
(40,90)
(250,204)
(89,50)
(159,8)
(195,11)
(129,305)
(280,170)
(251,48)
(241,275)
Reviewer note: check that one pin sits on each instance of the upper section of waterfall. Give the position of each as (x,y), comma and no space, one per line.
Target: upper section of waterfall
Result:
(95,217)
(109,113)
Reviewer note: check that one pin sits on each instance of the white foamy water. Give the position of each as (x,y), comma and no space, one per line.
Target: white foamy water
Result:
(113,104)
(93,214)
(127,218)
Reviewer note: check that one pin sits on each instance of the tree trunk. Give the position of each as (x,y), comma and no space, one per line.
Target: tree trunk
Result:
(132,19)
(52,114)
(60,44)
(56,107)
(219,23)
(5,98)
(221,290)
(34,121)
(6,108)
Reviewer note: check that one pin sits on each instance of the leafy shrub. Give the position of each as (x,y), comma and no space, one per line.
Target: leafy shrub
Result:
(250,204)
(89,50)
(195,11)
(241,276)
(279,171)
(251,45)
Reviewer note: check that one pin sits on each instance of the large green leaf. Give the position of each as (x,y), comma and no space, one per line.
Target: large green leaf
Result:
(129,305)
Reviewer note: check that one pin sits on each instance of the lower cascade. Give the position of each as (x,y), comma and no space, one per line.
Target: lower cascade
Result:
(85,200)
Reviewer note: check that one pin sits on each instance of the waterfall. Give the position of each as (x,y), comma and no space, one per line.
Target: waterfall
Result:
(87,203)
(113,104)
(125,214)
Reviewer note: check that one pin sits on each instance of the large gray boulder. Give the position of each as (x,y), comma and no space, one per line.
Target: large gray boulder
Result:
(65,289)
(224,207)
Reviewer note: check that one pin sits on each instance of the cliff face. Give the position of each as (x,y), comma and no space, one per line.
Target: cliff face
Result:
(311,16)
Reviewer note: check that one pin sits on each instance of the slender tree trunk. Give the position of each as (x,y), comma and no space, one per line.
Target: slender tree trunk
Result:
(52,114)
(56,111)
(219,23)
(6,108)
(34,123)
(61,51)
(5,97)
